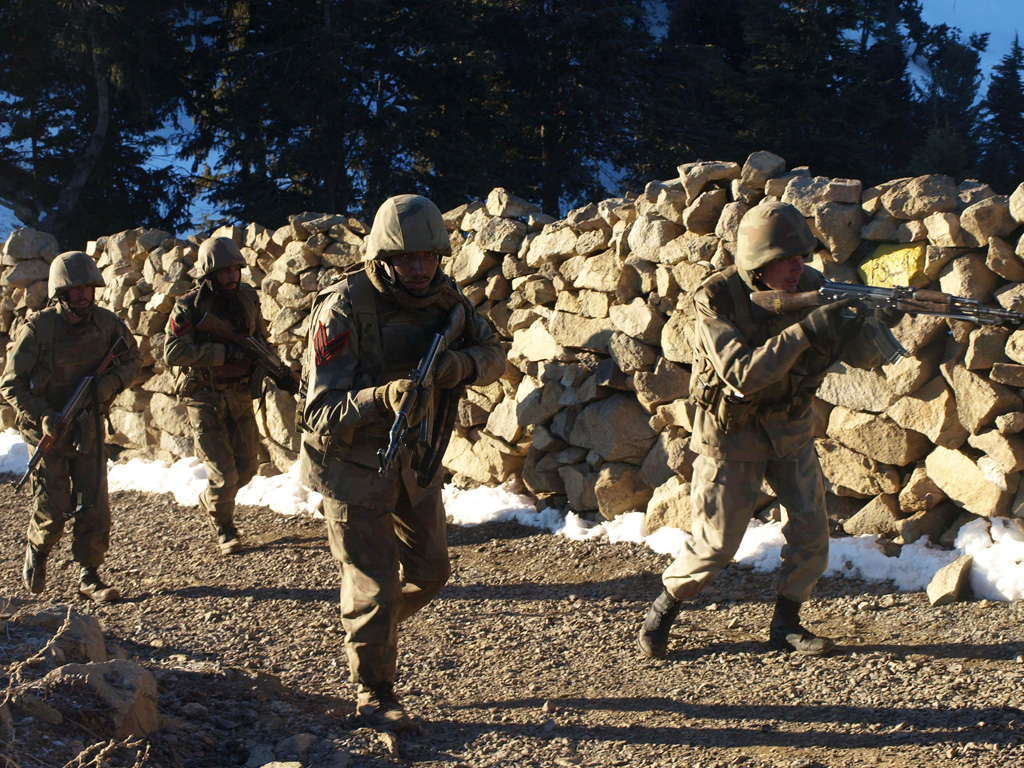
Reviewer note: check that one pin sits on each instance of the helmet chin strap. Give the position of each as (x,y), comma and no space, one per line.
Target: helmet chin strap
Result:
(81,314)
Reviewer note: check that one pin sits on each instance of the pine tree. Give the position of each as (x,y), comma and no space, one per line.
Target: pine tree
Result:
(87,86)
(1002,128)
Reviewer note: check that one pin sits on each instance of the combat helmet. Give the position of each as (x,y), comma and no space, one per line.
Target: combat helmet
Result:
(217,253)
(405,224)
(71,269)
(769,232)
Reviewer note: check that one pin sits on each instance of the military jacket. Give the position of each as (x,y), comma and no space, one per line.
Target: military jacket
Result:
(766,363)
(358,340)
(199,358)
(50,356)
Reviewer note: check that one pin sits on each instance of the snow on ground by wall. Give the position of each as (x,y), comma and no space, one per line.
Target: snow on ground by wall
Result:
(996,545)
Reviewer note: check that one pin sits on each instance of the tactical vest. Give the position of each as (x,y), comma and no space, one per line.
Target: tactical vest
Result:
(65,358)
(188,379)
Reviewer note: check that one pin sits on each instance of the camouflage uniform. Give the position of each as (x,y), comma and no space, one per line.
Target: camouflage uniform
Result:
(387,532)
(49,357)
(753,380)
(215,390)
(770,358)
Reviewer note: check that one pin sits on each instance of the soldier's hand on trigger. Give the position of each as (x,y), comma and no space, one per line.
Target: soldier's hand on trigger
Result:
(826,325)
(49,424)
(453,368)
(389,398)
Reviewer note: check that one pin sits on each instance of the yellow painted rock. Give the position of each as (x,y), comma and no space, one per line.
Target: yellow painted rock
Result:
(893,264)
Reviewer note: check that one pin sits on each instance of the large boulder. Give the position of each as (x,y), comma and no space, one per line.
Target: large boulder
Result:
(877,437)
(616,428)
(619,488)
(121,696)
(670,506)
(853,474)
(980,489)
(918,197)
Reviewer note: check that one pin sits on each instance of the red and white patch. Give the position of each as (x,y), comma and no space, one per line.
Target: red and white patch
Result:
(325,347)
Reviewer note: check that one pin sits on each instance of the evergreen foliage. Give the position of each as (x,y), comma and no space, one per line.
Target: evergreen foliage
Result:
(332,105)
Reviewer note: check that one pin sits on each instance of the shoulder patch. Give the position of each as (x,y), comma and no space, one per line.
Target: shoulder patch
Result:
(180,325)
(326,347)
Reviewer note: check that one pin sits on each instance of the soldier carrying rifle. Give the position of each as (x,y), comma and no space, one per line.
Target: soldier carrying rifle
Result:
(387,528)
(214,377)
(754,375)
(54,353)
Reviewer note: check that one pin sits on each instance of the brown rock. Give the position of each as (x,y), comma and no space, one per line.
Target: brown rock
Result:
(877,437)
(949,582)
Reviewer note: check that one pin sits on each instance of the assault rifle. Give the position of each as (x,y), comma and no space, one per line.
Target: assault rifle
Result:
(422,379)
(265,359)
(73,409)
(913,301)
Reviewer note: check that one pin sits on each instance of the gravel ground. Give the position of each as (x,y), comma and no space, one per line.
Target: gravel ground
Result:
(526,659)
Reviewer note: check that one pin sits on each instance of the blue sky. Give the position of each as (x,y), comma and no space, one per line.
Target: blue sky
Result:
(1002,18)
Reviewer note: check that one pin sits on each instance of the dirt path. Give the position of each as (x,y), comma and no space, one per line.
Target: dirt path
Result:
(527,659)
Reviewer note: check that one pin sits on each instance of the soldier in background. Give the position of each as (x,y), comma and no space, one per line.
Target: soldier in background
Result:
(212,380)
(754,377)
(52,353)
(366,334)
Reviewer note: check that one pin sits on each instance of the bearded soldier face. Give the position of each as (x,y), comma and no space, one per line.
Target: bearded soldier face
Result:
(227,279)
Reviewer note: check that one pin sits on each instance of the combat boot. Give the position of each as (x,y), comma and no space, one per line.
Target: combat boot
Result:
(35,570)
(90,585)
(228,539)
(653,637)
(787,634)
(380,708)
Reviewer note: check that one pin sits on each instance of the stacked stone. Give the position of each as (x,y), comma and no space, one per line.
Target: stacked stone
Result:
(596,314)
(147,270)
(599,313)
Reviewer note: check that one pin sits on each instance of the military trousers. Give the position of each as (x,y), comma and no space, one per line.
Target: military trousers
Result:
(724,495)
(70,484)
(227,441)
(393,562)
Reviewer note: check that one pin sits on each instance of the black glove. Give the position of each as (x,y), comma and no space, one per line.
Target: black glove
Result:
(827,326)
(889,316)
(234,354)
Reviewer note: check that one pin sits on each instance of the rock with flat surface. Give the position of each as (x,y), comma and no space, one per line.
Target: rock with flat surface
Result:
(670,506)
(619,488)
(616,428)
(121,696)
(880,517)
(950,582)
(918,197)
(978,488)
(853,474)
(931,411)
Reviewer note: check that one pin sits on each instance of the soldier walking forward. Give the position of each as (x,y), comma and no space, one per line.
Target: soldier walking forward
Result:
(212,380)
(52,353)
(367,333)
(754,376)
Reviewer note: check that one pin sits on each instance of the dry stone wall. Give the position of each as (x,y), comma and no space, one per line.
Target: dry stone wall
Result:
(595,311)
